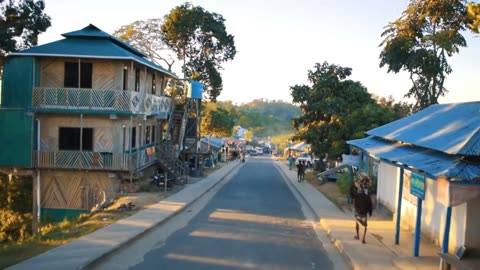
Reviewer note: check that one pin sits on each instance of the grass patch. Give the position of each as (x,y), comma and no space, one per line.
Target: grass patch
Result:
(55,234)
(208,170)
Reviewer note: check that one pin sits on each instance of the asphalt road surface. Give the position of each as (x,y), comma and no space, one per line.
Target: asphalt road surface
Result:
(251,220)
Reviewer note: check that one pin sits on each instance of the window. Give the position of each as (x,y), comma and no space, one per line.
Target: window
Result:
(154,86)
(147,135)
(137,80)
(125,78)
(70,139)
(71,75)
(134,137)
(72,78)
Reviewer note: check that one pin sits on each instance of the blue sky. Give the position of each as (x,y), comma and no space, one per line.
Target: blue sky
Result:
(279,41)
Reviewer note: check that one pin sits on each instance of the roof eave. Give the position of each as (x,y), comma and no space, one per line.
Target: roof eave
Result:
(95,57)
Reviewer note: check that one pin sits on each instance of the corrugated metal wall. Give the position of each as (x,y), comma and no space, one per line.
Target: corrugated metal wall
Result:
(15,138)
(17,82)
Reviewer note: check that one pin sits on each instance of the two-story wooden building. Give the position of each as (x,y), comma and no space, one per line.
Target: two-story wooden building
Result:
(79,114)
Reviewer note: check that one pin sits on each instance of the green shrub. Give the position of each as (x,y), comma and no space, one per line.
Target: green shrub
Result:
(344,183)
(14,227)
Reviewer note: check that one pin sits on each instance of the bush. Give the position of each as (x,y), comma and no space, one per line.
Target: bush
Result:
(344,183)
(14,227)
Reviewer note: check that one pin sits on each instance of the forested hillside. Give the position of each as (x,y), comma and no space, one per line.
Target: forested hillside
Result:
(262,117)
(268,118)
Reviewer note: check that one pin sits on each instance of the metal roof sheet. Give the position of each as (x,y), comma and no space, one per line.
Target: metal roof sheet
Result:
(299,146)
(449,128)
(93,31)
(430,161)
(215,142)
(91,42)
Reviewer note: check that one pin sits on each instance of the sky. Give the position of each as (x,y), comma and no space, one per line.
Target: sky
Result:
(278,41)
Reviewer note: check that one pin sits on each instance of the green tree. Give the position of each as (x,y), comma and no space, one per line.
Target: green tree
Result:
(200,39)
(16,193)
(147,37)
(334,109)
(217,122)
(400,109)
(420,42)
(20,24)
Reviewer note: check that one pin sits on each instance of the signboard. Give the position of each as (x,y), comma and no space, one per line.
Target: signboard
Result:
(417,186)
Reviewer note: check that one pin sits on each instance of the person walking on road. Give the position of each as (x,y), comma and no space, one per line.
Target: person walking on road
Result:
(301,167)
(362,204)
(300,170)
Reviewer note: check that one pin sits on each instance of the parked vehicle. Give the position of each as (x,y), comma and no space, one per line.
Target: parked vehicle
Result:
(306,158)
(158,179)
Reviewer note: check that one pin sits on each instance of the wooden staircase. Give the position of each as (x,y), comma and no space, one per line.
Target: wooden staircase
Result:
(167,155)
(170,162)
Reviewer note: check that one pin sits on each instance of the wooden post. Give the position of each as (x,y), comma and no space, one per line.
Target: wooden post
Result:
(166,180)
(399,208)
(130,156)
(418,224)
(446,232)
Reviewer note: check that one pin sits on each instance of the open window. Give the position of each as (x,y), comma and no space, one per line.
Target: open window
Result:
(75,139)
(78,75)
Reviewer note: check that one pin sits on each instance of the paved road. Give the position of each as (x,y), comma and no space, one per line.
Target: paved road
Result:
(251,220)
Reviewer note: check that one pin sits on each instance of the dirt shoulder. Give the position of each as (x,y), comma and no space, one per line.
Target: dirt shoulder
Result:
(328,189)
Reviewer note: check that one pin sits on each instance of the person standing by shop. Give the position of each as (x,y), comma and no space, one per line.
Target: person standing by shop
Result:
(290,162)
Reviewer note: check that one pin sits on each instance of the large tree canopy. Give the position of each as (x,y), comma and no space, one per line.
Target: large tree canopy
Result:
(334,109)
(20,24)
(217,121)
(147,37)
(200,38)
(420,42)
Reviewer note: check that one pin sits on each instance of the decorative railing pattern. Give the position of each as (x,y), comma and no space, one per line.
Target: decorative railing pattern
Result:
(100,100)
(157,105)
(92,160)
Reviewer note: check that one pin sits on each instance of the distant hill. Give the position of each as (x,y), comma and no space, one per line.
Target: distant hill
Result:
(266,118)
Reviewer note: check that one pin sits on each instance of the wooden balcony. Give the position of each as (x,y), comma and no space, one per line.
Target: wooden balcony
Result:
(100,100)
(84,160)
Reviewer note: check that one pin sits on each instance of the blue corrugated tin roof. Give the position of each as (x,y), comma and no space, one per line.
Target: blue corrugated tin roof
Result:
(93,31)
(215,142)
(91,42)
(449,128)
(432,162)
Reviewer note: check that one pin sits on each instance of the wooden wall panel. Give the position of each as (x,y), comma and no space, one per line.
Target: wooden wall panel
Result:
(103,139)
(107,74)
(52,72)
(107,133)
(104,75)
(75,189)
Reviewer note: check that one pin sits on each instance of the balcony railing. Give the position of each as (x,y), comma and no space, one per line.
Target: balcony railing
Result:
(92,160)
(100,100)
